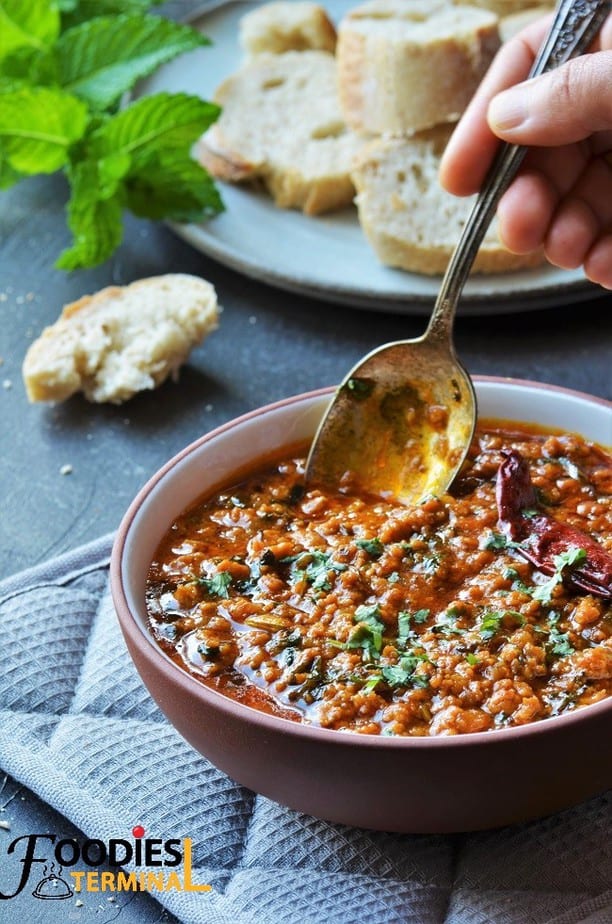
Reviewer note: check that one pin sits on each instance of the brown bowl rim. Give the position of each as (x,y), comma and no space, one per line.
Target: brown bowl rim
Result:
(189,685)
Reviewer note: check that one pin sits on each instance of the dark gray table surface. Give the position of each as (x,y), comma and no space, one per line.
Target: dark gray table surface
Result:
(270,344)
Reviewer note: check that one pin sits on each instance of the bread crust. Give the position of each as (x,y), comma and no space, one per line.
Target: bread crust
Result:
(281,126)
(410,222)
(406,65)
(121,340)
(287,26)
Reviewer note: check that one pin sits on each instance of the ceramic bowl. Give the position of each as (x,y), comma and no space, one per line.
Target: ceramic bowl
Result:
(442,784)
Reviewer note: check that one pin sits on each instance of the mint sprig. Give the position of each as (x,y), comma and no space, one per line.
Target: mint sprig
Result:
(63,69)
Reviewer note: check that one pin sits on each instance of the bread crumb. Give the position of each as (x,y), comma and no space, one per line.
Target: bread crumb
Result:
(122,340)
(78,903)
(6,384)
(5,825)
(66,470)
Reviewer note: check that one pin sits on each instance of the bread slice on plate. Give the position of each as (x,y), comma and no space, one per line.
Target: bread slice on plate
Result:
(281,126)
(502,7)
(406,65)
(287,26)
(409,220)
(122,340)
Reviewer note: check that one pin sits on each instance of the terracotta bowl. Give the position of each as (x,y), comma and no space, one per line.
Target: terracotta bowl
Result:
(443,784)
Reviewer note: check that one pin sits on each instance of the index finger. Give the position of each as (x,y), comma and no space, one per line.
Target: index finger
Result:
(472,146)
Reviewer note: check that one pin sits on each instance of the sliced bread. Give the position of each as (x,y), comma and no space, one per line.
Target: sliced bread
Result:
(502,7)
(409,220)
(287,26)
(281,125)
(406,65)
(122,340)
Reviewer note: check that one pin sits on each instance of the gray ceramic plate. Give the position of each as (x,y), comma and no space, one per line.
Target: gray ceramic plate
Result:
(326,257)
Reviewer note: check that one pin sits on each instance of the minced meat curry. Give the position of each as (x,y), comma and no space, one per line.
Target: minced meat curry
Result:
(486,608)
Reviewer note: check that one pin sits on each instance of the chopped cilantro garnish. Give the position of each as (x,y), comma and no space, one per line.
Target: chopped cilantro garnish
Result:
(472,658)
(494,541)
(373,547)
(565,561)
(360,388)
(492,620)
(315,567)
(559,644)
(218,584)
(404,625)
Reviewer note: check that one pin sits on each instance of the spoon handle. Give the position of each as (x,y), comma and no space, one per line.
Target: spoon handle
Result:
(574,27)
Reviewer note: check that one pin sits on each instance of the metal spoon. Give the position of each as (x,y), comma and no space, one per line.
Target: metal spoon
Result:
(402,420)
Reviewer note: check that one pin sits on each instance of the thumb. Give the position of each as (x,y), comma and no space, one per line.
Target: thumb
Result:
(563,106)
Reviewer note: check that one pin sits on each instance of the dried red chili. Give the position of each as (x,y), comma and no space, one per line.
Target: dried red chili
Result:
(540,538)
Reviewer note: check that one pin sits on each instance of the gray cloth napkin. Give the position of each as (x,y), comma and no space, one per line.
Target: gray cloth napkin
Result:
(79,729)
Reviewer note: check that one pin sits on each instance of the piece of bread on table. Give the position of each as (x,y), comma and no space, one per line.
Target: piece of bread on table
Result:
(122,340)
(281,126)
(287,26)
(406,65)
(409,220)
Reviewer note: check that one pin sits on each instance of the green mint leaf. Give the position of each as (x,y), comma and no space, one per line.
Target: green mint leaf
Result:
(163,122)
(101,59)
(30,66)
(172,186)
(95,222)
(37,127)
(8,176)
(78,11)
(27,22)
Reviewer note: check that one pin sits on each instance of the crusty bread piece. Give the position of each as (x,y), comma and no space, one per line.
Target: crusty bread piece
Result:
(287,26)
(122,340)
(501,7)
(513,23)
(406,65)
(281,125)
(409,220)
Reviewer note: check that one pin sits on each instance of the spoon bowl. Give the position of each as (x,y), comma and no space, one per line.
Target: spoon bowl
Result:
(401,422)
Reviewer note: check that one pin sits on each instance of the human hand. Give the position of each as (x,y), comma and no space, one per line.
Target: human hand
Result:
(561,199)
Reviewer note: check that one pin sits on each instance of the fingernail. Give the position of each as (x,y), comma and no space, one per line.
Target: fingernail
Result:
(507,110)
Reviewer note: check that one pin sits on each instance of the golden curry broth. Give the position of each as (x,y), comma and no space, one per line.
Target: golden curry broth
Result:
(361,615)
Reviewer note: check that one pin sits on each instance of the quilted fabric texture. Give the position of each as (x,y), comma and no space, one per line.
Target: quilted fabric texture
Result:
(79,729)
